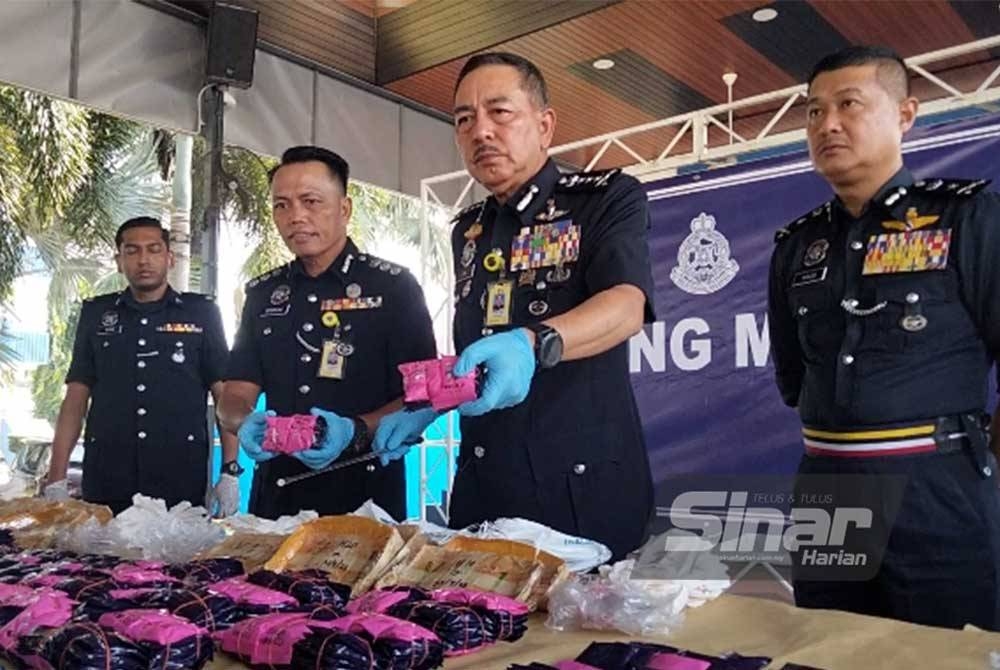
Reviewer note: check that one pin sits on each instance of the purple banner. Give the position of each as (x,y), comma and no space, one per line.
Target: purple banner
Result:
(702,373)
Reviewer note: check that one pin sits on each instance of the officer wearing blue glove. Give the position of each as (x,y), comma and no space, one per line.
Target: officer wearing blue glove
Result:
(552,278)
(323,335)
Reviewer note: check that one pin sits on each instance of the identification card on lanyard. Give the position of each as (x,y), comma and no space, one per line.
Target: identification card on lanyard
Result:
(331,362)
(499,299)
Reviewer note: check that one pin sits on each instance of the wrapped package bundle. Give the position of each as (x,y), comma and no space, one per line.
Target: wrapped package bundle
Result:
(253,599)
(310,588)
(206,571)
(379,601)
(252,550)
(462,630)
(87,646)
(170,642)
(395,644)
(506,619)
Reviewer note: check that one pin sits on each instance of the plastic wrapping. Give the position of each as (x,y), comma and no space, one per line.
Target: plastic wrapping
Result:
(461,629)
(251,598)
(310,588)
(602,603)
(283,525)
(171,643)
(148,530)
(647,656)
(397,644)
(380,601)
(333,650)
(206,571)
(431,382)
(506,619)
(292,434)
(87,646)
(268,639)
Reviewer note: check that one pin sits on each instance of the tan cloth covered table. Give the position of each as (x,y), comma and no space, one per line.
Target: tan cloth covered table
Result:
(759,627)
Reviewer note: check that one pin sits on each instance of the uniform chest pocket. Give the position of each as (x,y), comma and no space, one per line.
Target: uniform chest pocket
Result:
(819,321)
(919,309)
(178,353)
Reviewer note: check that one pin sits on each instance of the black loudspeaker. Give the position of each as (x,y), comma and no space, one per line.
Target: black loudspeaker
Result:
(232,44)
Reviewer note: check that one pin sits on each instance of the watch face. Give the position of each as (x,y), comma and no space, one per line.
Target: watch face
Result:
(550,349)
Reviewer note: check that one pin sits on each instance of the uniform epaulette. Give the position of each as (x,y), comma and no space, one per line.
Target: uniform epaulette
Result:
(194,295)
(380,264)
(586,181)
(820,213)
(267,275)
(468,210)
(957,187)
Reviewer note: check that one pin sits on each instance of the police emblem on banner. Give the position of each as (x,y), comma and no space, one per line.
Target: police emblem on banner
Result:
(703,262)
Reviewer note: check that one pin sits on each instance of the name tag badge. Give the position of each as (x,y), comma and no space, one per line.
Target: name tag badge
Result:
(499,298)
(811,276)
(276,311)
(331,362)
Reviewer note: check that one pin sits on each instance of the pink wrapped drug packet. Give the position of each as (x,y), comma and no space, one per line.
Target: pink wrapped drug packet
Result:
(151,626)
(292,434)
(432,382)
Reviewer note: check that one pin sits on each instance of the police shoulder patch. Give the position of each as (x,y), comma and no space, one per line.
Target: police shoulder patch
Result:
(586,181)
(260,279)
(821,213)
(473,208)
(950,187)
(383,265)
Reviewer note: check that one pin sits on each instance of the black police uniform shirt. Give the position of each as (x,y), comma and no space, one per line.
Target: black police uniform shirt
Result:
(375,311)
(572,455)
(891,317)
(149,367)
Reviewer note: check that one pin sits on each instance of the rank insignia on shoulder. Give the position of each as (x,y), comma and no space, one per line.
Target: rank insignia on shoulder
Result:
(821,213)
(586,181)
(468,210)
(951,187)
(264,277)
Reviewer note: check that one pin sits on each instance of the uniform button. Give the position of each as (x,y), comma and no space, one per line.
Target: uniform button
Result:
(311,297)
(142,435)
(142,343)
(141,364)
(305,358)
(304,389)
(347,327)
(307,327)
(487,331)
(857,245)
(190,437)
(848,359)
(140,388)
(579,469)
(267,331)
(912,298)
(141,411)
(144,321)
(541,286)
(803,310)
(106,344)
(479,452)
(370,468)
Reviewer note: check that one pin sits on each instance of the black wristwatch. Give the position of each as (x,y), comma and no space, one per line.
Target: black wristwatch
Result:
(360,442)
(548,345)
(232,468)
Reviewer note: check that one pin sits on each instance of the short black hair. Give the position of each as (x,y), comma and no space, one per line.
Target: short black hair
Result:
(303,154)
(532,80)
(141,222)
(892,72)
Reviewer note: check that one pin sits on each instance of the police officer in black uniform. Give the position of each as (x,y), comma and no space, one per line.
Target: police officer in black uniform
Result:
(552,278)
(884,315)
(145,360)
(323,334)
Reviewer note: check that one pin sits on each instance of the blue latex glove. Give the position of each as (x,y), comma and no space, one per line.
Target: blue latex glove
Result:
(251,436)
(510,365)
(399,431)
(339,433)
